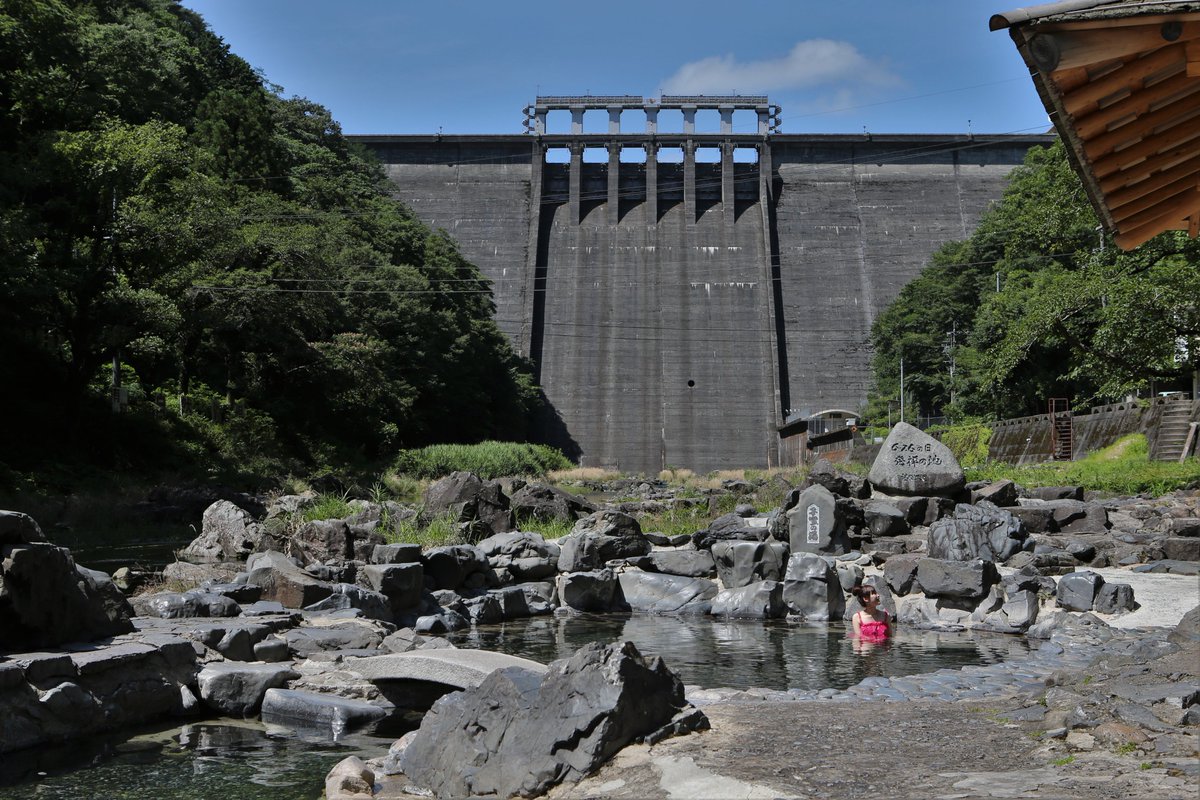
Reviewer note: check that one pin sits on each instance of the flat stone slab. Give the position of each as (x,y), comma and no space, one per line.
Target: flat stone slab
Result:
(462,668)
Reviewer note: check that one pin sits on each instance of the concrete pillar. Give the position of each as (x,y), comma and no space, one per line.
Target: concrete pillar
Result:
(689,120)
(651,121)
(539,122)
(575,181)
(651,183)
(764,124)
(728,187)
(576,121)
(614,182)
(726,119)
(525,344)
(614,119)
(770,277)
(689,181)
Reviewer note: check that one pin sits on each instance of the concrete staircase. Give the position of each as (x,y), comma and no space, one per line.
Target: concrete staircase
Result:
(1173,431)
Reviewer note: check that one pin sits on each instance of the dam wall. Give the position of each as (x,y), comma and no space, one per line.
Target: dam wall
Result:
(678,312)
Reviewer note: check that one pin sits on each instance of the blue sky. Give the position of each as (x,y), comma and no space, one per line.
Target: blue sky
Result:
(462,66)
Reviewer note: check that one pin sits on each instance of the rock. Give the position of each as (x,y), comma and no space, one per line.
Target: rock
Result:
(526,556)
(236,689)
(518,733)
(271,650)
(451,566)
(309,709)
(332,541)
(762,600)
(977,531)
(587,591)
(1180,548)
(283,581)
(174,605)
(46,600)
(662,540)
(484,609)
(1000,493)
(545,503)
(816,524)
(1184,526)
(1188,629)
(900,572)
(885,519)
(688,563)
(599,538)
(956,580)
(349,779)
(18,528)
(227,533)
(1114,598)
(402,584)
(1073,516)
(1037,518)
(728,528)
(372,604)
(1077,591)
(480,506)
(849,574)
(838,482)
(811,588)
(665,593)
(742,563)
(406,640)
(1015,613)
(911,462)
(237,592)
(1056,492)
(404,553)
(303,642)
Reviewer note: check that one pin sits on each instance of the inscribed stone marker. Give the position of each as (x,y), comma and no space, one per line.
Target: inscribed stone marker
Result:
(913,462)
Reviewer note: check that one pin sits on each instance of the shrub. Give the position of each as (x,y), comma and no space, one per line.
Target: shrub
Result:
(969,443)
(328,506)
(486,459)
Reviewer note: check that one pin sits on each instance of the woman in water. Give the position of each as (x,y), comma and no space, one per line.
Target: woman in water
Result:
(872,623)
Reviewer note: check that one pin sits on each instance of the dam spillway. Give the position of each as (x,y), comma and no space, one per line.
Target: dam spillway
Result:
(678,310)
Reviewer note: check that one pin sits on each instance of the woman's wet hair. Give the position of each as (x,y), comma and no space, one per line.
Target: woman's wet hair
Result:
(860,592)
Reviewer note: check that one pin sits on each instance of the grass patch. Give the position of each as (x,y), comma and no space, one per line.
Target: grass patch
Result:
(1123,467)
(676,521)
(441,530)
(1062,762)
(487,460)
(968,443)
(549,529)
(575,474)
(328,506)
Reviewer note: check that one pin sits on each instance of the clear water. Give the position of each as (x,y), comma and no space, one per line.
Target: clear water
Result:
(232,760)
(746,653)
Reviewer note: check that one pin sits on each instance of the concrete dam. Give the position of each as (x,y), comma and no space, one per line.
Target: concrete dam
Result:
(682,294)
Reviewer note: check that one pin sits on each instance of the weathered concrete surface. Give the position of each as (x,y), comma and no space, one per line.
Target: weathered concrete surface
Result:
(679,326)
(461,668)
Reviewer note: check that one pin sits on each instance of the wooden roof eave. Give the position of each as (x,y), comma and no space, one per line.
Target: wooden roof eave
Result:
(1052,98)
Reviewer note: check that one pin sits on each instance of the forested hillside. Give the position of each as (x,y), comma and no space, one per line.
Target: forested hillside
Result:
(1038,303)
(161,205)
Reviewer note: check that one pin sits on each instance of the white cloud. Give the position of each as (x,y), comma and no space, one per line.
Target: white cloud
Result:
(814,63)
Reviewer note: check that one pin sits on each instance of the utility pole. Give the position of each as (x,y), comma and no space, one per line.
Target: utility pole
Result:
(902,388)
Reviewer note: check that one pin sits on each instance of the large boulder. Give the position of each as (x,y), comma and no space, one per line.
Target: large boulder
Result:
(728,528)
(227,533)
(535,501)
(744,563)
(967,581)
(236,689)
(281,580)
(332,541)
(1077,591)
(688,563)
(402,584)
(526,556)
(587,591)
(478,505)
(817,523)
(666,594)
(520,733)
(45,599)
(599,538)
(838,482)
(913,462)
(762,600)
(811,588)
(456,566)
(977,531)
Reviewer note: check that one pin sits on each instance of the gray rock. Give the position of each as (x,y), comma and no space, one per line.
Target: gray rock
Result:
(372,604)
(1056,492)
(479,506)
(402,583)
(838,482)
(743,563)
(762,600)
(817,524)
(849,574)
(283,581)
(1012,612)
(237,592)
(526,556)
(304,642)
(1073,516)
(811,588)
(900,572)
(666,594)
(513,602)
(729,528)
(545,503)
(484,609)
(174,605)
(227,533)
(1077,591)
(662,540)
(1181,548)
(977,531)
(308,709)
(403,553)
(608,523)
(451,567)
(518,733)
(688,563)
(1114,598)
(911,462)
(588,547)
(236,689)
(885,519)
(271,650)
(406,640)
(332,541)
(1000,493)
(19,528)
(587,591)
(957,580)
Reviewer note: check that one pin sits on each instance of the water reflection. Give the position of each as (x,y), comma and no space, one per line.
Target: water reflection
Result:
(744,654)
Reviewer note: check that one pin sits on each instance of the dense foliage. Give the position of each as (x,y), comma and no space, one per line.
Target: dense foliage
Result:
(160,205)
(486,459)
(1037,303)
